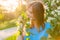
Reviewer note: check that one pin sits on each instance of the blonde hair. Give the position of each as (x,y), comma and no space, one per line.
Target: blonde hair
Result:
(38,12)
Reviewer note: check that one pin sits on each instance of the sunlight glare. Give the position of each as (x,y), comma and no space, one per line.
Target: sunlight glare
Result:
(9,5)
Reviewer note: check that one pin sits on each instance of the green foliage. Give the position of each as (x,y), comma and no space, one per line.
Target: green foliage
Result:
(52,11)
(7,24)
(13,37)
(43,38)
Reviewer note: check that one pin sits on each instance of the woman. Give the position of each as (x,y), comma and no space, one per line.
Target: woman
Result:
(38,26)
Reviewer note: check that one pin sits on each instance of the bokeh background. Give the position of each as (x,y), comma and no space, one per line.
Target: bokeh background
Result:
(13,18)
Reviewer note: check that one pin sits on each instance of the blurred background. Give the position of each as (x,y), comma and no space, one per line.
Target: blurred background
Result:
(13,15)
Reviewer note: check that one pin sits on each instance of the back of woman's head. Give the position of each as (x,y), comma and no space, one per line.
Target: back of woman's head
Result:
(37,11)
